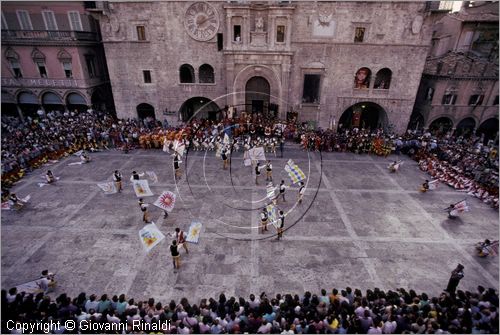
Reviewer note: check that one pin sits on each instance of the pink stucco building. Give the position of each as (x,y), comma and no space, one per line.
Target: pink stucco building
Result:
(52,58)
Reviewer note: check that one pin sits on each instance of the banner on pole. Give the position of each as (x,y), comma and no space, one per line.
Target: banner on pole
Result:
(141,188)
(194,232)
(150,236)
(166,201)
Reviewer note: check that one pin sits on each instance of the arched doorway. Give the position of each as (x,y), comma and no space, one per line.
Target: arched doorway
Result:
(9,107)
(465,127)
(52,102)
(490,130)
(257,95)
(76,101)
(145,110)
(441,126)
(200,108)
(416,121)
(28,102)
(364,115)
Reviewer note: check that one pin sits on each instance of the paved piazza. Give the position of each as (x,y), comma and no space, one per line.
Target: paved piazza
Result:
(358,226)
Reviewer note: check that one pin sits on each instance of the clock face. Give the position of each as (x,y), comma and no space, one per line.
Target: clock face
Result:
(201,21)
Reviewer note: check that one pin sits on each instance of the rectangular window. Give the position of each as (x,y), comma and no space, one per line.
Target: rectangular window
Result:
(237,33)
(4,23)
(141,33)
(68,69)
(41,68)
(89,60)
(49,20)
(16,68)
(476,100)
(449,99)
(311,89)
(495,102)
(147,76)
(359,34)
(24,20)
(74,21)
(280,34)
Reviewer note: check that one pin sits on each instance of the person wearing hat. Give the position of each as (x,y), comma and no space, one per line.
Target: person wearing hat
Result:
(456,276)
(269,171)
(281,225)
(224,157)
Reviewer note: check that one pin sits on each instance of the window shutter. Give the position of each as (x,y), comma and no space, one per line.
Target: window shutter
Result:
(74,20)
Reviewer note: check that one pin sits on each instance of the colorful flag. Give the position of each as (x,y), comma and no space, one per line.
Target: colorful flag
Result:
(179,147)
(108,188)
(272,215)
(150,236)
(257,154)
(141,188)
(226,139)
(152,175)
(433,184)
(246,159)
(166,201)
(461,206)
(294,172)
(194,232)
(271,191)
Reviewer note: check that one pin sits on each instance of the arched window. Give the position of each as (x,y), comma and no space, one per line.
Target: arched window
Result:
(186,73)
(206,74)
(362,78)
(383,79)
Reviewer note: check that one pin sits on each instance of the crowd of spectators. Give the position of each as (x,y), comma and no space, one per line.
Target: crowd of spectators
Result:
(336,312)
(463,163)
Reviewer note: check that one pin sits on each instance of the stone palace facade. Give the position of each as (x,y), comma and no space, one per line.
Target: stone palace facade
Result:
(327,63)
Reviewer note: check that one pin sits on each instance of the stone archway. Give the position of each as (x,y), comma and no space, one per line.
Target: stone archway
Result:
(145,110)
(257,97)
(441,126)
(265,72)
(488,129)
(363,115)
(199,108)
(465,127)
(416,121)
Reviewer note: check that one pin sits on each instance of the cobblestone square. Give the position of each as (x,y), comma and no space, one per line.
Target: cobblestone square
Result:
(358,226)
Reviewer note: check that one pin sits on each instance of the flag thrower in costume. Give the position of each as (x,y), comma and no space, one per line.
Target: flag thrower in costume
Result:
(294,172)
(457,208)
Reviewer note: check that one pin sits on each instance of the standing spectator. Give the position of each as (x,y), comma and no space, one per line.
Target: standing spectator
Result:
(456,276)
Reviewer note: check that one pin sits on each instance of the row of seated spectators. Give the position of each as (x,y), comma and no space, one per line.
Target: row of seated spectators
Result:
(348,311)
(465,164)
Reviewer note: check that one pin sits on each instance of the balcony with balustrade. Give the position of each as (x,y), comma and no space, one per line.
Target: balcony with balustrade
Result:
(34,36)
